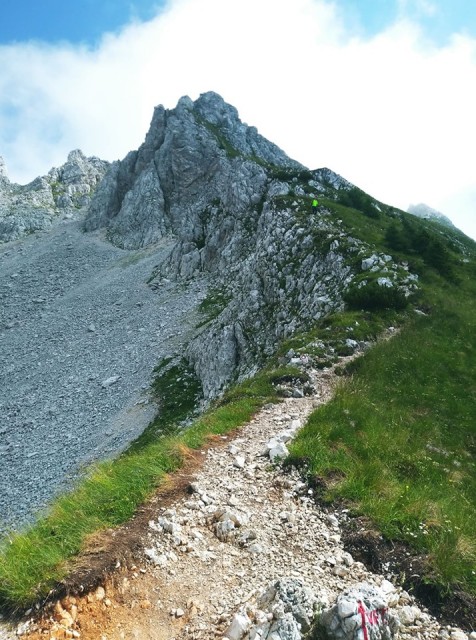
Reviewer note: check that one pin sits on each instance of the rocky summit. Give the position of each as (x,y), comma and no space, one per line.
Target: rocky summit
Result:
(240,210)
(63,193)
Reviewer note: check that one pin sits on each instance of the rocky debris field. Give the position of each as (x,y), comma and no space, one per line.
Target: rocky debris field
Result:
(80,334)
(246,553)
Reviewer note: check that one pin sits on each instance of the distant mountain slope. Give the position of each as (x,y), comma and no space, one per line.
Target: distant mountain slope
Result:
(424,211)
(64,192)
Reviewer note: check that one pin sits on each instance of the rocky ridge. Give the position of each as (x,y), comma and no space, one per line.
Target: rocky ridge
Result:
(64,193)
(239,210)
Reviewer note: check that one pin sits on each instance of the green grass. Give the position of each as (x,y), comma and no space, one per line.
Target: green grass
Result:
(34,561)
(398,441)
(211,306)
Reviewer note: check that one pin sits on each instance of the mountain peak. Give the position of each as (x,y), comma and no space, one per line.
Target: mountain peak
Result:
(212,107)
(428,213)
(193,157)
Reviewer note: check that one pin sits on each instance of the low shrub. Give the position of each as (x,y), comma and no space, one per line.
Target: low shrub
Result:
(372,297)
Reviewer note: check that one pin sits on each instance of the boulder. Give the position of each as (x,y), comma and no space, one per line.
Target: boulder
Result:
(360,613)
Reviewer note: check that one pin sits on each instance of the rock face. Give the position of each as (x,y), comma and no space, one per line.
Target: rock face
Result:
(197,161)
(63,193)
(239,209)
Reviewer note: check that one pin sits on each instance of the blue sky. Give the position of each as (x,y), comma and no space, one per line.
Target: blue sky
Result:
(85,21)
(381,91)
(439,19)
(77,21)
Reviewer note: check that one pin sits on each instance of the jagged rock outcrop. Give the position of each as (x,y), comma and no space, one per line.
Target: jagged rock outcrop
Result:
(239,208)
(64,192)
(360,612)
(197,159)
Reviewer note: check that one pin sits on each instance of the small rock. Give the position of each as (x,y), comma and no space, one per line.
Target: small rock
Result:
(279,451)
(408,614)
(100,593)
(239,462)
(110,381)
(256,548)
(238,627)
(160,560)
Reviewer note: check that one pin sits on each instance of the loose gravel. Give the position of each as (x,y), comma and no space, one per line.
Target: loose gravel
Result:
(80,335)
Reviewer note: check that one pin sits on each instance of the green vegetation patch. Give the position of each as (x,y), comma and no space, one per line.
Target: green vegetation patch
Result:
(373,296)
(398,441)
(214,303)
(178,392)
(358,199)
(328,339)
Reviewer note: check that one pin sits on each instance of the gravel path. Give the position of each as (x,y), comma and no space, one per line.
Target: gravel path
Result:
(80,333)
(197,572)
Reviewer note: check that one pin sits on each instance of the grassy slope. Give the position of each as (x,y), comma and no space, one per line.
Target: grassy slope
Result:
(399,439)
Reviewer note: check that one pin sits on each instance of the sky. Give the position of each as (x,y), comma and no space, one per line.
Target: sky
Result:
(381,91)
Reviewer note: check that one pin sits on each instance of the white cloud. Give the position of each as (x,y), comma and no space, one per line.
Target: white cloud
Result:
(392,113)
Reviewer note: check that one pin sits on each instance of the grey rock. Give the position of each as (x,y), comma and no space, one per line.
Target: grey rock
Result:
(238,627)
(220,190)
(278,451)
(239,462)
(64,193)
(356,607)
(293,607)
(110,381)
(408,614)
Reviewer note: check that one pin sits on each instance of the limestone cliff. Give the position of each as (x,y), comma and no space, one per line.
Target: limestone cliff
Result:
(194,158)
